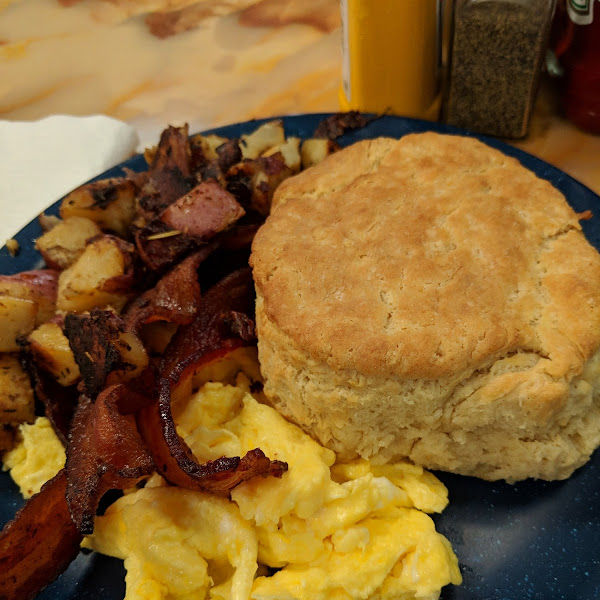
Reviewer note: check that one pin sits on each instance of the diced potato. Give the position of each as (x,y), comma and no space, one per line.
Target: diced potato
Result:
(13,247)
(110,203)
(64,243)
(39,286)
(315,150)
(51,350)
(264,174)
(150,153)
(133,354)
(261,139)
(209,144)
(48,222)
(290,152)
(17,319)
(10,286)
(16,395)
(87,283)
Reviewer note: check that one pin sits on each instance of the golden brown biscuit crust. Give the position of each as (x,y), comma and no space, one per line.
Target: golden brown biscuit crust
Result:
(424,264)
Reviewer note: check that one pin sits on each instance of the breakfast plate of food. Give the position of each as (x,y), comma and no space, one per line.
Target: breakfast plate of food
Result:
(398,398)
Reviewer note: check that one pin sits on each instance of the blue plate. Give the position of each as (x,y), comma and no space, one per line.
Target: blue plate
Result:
(531,540)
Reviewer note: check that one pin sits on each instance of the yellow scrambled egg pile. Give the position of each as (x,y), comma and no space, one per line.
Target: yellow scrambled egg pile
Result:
(37,458)
(324,531)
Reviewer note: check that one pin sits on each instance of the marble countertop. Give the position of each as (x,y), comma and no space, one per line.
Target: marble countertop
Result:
(156,62)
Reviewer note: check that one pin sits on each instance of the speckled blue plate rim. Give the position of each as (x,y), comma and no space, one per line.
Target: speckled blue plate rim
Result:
(531,540)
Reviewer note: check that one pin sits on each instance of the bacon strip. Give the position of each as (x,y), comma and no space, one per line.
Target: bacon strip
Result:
(336,125)
(105,451)
(229,153)
(221,326)
(93,340)
(59,401)
(175,298)
(253,181)
(209,335)
(176,463)
(38,544)
(169,175)
(160,247)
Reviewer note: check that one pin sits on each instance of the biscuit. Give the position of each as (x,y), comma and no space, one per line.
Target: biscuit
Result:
(431,298)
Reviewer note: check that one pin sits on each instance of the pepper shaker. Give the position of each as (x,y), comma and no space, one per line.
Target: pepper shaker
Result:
(498,50)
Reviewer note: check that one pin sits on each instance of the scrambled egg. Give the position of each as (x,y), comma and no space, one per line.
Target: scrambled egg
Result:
(38,457)
(324,531)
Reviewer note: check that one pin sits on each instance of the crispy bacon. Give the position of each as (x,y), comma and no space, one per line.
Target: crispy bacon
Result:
(208,335)
(175,298)
(336,125)
(203,212)
(59,401)
(169,175)
(117,434)
(160,247)
(228,154)
(222,325)
(94,340)
(105,451)
(239,237)
(162,188)
(253,181)
(176,463)
(173,151)
(38,544)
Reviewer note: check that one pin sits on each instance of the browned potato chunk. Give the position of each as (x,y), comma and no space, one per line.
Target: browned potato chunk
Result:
(39,285)
(209,144)
(256,180)
(26,300)
(315,150)
(64,243)
(13,246)
(17,319)
(51,350)
(48,222)
(290,150)
(98,278)
(261,139)
(110,203)
(133,354)
(16,395)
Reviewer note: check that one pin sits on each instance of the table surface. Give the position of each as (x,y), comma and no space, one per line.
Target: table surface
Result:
(207,63)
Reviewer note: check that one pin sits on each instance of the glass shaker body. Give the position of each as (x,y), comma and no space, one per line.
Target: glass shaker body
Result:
(498,50)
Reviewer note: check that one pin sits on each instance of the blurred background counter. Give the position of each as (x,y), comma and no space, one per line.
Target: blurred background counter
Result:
(208,63)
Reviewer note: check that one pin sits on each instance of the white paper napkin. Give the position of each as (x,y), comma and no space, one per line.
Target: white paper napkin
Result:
(41,161)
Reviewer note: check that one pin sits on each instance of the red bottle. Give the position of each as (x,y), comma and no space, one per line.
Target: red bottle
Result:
(579,53)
